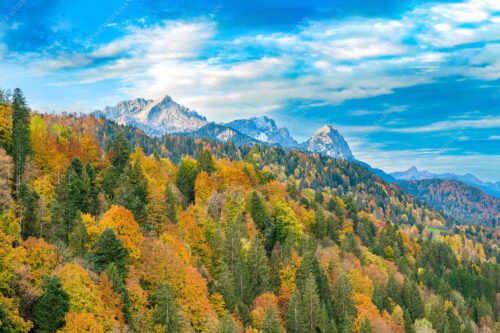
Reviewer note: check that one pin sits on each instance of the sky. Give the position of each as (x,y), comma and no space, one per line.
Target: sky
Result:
(406,82)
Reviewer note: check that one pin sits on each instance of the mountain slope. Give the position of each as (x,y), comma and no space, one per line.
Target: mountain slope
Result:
(458,200)
(221,133)
(414,174)
(264,129)
(154,117)
(328,141)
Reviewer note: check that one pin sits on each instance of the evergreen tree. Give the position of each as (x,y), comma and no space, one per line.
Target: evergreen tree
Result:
(67,205)
(78,240)
(118,282)
(319,228)
(226,287)
(227,325)
(21,136)
(262,220)
(171,204)
(108,249)
(185,179)
(166,311)
(29,217)
(51,307)
(380,298)
(393,290)
(293,313)
(482,309)
(77,165)
(258,269)
(332,228)
(350,245)
(132,191)
(310,305)
(271,323)
(110,182)
(90,190)
(344,310)
(206,161)
(408,322)
(120,153)
(412,300)
(326,325)
(5,322)
(365,327)
(258,212)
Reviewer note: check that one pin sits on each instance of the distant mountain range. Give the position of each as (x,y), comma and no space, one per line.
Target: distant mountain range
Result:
(462,202)
(414,174)
(165,116)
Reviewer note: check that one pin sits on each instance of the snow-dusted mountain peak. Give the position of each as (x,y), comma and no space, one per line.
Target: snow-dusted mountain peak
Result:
(328,141)
(157,117)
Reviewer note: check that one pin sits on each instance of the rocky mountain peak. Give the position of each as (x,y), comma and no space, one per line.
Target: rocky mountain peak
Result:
(328,141)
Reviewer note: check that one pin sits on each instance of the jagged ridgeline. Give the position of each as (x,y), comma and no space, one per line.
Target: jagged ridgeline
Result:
(105,229)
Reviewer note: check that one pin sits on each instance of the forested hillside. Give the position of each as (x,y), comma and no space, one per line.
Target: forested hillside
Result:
(462,202)
(104,229)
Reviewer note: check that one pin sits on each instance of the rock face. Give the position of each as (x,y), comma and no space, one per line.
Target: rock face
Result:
(222,133)
(328,141)
(155,117)
(264,129)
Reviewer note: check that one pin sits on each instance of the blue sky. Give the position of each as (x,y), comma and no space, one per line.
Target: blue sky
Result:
(406,82)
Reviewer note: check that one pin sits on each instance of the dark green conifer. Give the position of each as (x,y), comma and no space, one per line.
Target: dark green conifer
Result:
(185,179)
(108,249)
(21,135)
(166,310)
(51,307)
(206,161)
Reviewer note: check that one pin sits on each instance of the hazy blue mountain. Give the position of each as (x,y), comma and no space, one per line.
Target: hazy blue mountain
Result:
(414,174)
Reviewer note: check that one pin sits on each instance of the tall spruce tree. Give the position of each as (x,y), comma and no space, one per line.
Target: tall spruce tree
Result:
(21,136)
(310,306)
(120,153)
(271,323)
(227,325)
(412,299)
(206,161)
(293,313)
(108,249)
(30,223)
(90,190)
(132,191)
(344,310)
(258,270)
(166,311)
(78,240)
(67,204)
(51,307)
(186,177)
(262,220)
(171,204)
(365,327)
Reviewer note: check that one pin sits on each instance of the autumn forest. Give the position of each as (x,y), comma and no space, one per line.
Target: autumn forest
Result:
(106,229)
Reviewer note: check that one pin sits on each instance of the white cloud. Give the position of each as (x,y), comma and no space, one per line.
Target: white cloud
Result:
(323,63)
(448,125)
